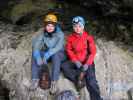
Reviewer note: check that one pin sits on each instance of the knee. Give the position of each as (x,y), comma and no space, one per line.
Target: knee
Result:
(56,56)
(65,65)
(34,64)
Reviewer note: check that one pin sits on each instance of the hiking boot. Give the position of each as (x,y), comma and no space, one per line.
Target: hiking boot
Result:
(81,81)
(44,76)
(34,84)
(81,84)
(44,82)
(53,88)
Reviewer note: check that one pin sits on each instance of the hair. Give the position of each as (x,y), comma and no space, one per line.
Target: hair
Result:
(46,23)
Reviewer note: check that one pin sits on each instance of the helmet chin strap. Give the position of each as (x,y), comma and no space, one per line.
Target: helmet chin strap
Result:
(81,33)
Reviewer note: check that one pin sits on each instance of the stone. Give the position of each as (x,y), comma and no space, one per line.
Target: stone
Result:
(113,71)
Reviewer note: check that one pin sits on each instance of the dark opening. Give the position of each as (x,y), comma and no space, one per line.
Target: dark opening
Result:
(4,93)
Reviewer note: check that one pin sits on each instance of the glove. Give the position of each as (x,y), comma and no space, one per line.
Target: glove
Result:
(47,55)
(85,67)
(78,64)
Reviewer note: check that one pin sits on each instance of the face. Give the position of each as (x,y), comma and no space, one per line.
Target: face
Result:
(78,28)
(50,28)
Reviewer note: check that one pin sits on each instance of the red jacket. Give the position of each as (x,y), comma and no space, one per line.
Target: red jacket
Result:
(81,48)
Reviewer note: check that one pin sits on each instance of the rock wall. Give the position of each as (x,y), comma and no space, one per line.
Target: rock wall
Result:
(114,70)
(15,10)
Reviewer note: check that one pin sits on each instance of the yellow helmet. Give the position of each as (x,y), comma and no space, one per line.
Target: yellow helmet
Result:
(50,18)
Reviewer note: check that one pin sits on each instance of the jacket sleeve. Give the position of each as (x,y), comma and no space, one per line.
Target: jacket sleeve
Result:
(59,45)
(70,51)
(37,39)
(37,42)
(92,50)
(36,45)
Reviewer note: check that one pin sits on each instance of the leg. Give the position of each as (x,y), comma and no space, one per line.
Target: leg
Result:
(92,85)
(35,75)
(35,70)
(70,71)
(56,65)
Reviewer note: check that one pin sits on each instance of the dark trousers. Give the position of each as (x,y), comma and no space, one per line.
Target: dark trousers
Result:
(71,72)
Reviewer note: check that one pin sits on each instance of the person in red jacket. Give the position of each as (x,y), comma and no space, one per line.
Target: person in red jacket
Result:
(81,51)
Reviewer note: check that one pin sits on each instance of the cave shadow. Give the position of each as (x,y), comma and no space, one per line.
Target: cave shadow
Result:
(4,92)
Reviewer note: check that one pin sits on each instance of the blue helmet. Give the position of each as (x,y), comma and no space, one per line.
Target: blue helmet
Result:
(78,20)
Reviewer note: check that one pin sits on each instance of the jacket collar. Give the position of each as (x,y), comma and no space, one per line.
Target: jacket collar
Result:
(78,35)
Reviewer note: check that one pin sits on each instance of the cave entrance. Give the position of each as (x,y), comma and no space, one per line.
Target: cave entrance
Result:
(4,92)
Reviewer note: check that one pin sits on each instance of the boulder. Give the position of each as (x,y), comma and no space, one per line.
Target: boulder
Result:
(114,70)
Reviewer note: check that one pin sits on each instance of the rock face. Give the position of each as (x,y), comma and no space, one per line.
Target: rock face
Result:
(111,16)
(114,70)
(15,10)
(107,7)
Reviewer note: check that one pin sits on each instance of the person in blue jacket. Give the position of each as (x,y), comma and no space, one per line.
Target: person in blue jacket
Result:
(48,45)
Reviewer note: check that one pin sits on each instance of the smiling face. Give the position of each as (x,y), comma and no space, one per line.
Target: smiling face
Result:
(78,28)
(50,28)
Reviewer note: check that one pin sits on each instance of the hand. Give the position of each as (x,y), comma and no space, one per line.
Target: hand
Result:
(46,55)
(85,67)
(39,61)
(78,64)
(44,61)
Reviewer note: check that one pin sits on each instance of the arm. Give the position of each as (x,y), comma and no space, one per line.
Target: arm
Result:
(36,45)
(92,50)
(59,44)
(70,51)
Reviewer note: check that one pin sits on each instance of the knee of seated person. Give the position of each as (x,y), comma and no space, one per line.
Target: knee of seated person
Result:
(93,82)
(56,55)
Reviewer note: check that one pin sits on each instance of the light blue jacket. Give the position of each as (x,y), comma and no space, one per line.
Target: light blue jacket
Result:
(53,44)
